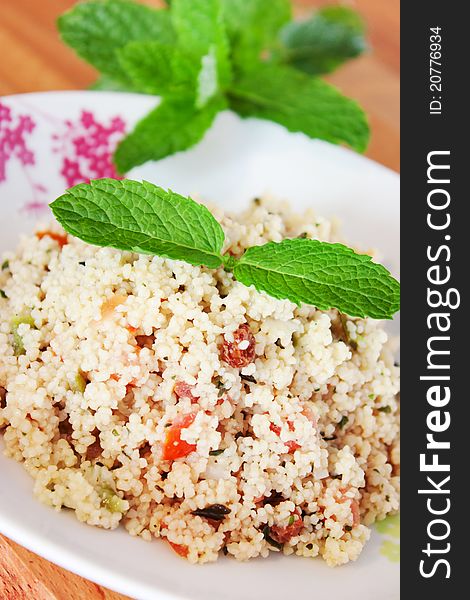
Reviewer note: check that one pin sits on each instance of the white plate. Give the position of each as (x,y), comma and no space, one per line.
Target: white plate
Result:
(51,140)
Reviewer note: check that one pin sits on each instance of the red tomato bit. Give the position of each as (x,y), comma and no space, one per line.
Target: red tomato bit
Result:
(184,390)
(232,354)
(179,549)
(174,447)
(283,534)
(60,238)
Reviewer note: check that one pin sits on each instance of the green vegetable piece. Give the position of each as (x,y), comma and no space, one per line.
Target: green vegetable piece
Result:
(385,409)
(323,42)
(323,274)
(175,125)
(141,217)
(343,422)
(79,383)
(300,103)
(253,27)
(18,344)
(5,265)
(291,520)
(96,29)
(216,452)
(111,501)
(2,294)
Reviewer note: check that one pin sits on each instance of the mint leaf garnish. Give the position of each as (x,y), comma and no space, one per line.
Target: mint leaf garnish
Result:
(323,274)
(96,29)
(141,217)
(253,26)
(321,43)
(175,125)
(300,103)
(201,56)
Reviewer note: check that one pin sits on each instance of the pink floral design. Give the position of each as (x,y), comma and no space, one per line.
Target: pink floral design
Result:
(13,133)
(87,148)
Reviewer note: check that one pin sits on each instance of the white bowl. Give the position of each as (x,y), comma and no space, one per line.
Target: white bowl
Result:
(57,137)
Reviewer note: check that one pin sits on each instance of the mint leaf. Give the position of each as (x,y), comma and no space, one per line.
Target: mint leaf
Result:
(156,68)
(141,217)
(323,274)
(300,103)
(322,43)
(162,69)
(253,26)
(175,125)
(96,29)
(201,33)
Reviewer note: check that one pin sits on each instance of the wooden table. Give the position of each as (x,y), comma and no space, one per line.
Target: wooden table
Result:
(34,59)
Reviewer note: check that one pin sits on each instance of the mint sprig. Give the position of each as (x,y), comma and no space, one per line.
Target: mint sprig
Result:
(143,218)
(202,56)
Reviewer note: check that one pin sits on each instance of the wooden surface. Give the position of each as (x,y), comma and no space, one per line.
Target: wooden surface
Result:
(34,59)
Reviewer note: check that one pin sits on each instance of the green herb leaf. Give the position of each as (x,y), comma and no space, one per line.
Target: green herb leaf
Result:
(156,68)
(96,29)
(2,294)
(343,422)
(320,44)
(300,103)
(175,125)
(201,33)
(141,217)
(271,541)
(216,452)
(323,274)
(253,26)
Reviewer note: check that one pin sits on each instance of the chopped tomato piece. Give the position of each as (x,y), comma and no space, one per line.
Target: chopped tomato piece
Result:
(174,447)
(240,352)
(179,549)
(291,426)
(283,534)
(184,390)
(293,446)
(355,513)
(60,238)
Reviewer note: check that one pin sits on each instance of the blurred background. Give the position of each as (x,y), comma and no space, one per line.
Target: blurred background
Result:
(34,59)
